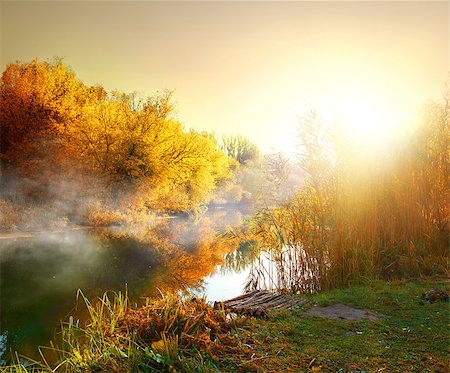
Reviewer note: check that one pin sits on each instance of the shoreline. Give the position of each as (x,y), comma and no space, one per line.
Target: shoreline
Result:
(31,234)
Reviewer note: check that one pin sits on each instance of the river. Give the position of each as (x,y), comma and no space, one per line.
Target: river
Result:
(41,274)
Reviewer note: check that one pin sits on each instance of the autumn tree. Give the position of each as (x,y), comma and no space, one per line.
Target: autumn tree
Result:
(55,129)
(37,102)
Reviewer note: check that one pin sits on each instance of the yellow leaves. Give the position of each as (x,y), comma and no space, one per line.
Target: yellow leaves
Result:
(158,347)
(100,215)
(135,167)
(167,347)
(143,143)
(117,137)
(77,354)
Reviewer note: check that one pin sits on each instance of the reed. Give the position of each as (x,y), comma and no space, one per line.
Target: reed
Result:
(386,217)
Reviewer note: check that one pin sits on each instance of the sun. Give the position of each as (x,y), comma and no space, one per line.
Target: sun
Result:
(365,120)
(369,120)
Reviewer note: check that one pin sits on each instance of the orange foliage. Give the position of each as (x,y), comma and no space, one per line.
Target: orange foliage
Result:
(60,136)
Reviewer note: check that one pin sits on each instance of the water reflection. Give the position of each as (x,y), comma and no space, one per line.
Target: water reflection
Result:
(39,276)
(240,259)
(229,278)
(290,268)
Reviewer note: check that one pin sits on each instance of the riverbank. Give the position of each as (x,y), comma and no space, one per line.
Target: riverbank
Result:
(31,234)
(409,334)
(64,225)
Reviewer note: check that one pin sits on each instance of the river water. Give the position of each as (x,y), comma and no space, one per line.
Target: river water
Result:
(40,275)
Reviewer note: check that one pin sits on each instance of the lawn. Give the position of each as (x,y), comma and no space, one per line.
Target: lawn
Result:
(412,335)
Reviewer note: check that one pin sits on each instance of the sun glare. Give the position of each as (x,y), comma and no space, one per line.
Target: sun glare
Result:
(368,121)
(364,120)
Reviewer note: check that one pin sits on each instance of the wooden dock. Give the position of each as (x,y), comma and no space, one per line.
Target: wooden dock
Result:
(259,302)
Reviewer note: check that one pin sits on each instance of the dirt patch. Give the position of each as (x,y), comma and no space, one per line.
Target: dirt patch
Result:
(342,312)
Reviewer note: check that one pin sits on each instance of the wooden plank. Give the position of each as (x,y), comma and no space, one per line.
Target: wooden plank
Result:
(256,297)
(277,302)
(286,305)
(264,302)
(246,295)
(259,301)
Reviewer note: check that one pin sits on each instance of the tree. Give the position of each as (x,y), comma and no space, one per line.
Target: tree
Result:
(240,148)
(55,129)
(37,102)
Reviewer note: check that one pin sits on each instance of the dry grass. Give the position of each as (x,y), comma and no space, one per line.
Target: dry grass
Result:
(167,334)
(381,218)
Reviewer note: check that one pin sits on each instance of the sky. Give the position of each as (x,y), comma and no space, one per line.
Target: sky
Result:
(250,68)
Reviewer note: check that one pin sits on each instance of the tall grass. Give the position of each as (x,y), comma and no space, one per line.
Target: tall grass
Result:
(359,216)
(170,333)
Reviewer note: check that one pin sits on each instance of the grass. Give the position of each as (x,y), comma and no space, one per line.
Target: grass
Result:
(412,337)
(188,335)
(167,334)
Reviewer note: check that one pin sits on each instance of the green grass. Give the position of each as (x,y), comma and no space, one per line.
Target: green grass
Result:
(412,337)
(189,336)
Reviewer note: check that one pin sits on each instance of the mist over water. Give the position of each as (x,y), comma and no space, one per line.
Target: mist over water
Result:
(40,275)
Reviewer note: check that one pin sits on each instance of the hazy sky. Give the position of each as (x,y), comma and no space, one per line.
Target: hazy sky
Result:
(243,67)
